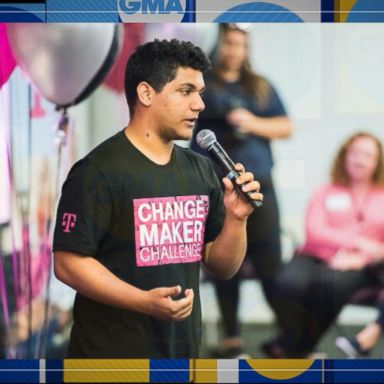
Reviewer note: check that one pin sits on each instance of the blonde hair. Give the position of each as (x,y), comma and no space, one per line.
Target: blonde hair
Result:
(339,174)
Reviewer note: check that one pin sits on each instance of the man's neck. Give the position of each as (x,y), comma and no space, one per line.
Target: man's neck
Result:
(149,143)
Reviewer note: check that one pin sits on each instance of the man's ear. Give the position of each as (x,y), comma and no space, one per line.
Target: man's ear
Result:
(145,93)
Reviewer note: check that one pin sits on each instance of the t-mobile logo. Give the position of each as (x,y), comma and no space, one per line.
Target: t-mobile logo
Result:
(69,221)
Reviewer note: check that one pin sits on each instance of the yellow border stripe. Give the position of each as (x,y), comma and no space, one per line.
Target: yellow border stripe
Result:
(203,371)
(280,369)
(342,8)
(106,370)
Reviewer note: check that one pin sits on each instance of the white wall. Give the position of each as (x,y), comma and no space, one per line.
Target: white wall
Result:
(331,79)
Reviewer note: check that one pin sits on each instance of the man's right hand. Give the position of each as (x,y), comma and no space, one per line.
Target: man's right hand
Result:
(88,276)
(162,305)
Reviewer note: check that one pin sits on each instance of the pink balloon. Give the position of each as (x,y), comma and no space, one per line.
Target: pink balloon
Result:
(7,61)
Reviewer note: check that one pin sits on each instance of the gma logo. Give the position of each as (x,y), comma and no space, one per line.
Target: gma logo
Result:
(162,7)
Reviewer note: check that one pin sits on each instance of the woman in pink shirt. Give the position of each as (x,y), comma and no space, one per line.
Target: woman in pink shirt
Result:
(344,243)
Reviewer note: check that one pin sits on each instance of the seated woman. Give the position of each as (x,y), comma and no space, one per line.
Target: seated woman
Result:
(344,239)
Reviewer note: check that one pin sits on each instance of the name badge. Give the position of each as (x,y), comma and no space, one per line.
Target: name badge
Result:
(338,202)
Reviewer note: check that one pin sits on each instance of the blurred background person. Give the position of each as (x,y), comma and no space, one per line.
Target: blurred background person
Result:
(245,112)
(344,244)
(363,342)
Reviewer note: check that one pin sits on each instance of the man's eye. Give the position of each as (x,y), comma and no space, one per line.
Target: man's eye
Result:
(186,91)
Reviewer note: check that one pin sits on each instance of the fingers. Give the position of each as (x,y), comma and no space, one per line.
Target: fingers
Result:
(162,305)
(185,301)
(239,167)
(245,177)
(228,184)
(170,291)
(246,181)
(182,308)
(184,314)
(253,188)
(257,196)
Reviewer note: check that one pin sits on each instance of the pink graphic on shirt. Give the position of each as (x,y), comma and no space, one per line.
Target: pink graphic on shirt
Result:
(69,221)
(170,230)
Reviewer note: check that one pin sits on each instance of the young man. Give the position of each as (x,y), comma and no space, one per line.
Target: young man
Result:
(138,214)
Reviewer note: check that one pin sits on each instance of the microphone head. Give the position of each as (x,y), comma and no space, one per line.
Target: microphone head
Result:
(205,138)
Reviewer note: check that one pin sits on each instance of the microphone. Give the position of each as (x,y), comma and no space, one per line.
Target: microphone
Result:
(206,139)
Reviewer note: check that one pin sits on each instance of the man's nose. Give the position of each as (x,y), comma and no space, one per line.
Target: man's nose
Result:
(198,103)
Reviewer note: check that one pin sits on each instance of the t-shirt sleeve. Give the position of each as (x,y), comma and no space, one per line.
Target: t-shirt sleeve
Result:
(216,212)
(275,106)
(84,211)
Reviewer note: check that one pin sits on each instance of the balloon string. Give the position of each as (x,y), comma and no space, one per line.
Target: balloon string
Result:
(14,256)
(62,133)
(4,297)
(47,265)
(15,262)
(22,262)
(3,289)
(26,228)
(46,250)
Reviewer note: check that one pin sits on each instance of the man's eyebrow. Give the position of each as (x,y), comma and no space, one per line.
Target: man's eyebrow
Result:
(190,85)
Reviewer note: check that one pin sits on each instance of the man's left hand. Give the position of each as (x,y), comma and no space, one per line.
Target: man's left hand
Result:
(236,205)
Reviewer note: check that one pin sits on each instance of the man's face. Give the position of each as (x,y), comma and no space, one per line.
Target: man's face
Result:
(177,107)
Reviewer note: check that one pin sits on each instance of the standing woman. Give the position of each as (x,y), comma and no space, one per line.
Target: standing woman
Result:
(245,112)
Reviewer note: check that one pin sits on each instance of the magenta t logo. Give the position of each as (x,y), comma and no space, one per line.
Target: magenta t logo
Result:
(69,221)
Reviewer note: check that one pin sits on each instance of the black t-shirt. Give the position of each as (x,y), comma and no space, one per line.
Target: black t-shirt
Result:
(146,223)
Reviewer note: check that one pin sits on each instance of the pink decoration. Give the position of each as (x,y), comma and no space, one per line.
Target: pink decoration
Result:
(37,109)
(132,37)
(7,61)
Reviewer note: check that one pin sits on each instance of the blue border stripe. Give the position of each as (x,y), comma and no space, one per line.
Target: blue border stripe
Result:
(354,371)
(190,12)
(26,13)
(19,371)
(327,11)
(54,371)
(169,371)
(258,12)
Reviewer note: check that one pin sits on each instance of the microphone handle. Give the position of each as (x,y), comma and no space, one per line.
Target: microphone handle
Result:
(228,165)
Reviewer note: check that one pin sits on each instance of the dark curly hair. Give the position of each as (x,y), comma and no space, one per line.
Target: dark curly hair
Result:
(157,62)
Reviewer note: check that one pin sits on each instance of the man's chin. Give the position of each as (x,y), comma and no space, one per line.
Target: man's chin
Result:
(185,136)
(178,134)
